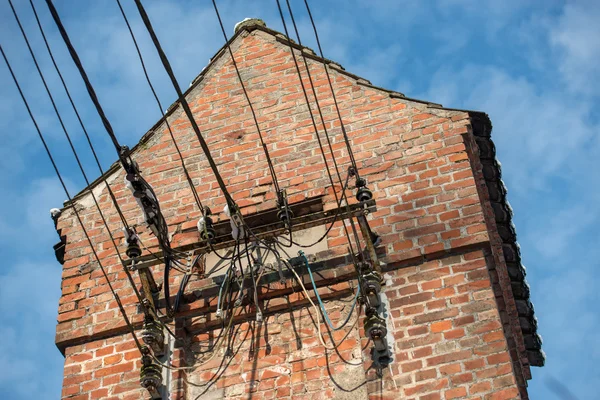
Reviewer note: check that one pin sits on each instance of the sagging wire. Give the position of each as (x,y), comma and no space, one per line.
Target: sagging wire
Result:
(318,296)
(308,297)
(185,280)
(315,307)
(224,331)
(324,235)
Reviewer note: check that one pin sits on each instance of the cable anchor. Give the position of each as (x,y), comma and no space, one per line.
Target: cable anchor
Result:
(205,226)
(284,214)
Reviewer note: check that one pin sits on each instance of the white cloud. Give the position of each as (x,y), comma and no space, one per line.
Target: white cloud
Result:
(539,134)
(575,36)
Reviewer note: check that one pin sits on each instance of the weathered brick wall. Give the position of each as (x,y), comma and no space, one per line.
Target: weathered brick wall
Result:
(449,339)
(449,343)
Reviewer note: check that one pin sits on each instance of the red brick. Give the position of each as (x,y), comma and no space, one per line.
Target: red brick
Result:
(455,393)
(445,303)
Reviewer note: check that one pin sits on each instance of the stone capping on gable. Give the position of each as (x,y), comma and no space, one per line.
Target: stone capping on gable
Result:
(491,170)
(503,214)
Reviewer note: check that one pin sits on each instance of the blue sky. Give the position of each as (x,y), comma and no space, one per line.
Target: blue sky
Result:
(533,66)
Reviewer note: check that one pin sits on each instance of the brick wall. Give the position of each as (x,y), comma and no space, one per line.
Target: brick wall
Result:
(449,338)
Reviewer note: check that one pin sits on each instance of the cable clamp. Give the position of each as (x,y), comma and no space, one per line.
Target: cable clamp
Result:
(205,226)
(284,214)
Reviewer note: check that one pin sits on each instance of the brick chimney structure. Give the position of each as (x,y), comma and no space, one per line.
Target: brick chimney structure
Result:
(459,321)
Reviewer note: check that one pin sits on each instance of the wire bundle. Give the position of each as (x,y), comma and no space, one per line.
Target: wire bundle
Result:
(248,247)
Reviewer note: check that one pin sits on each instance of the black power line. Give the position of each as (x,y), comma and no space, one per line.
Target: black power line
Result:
(68,137)
(264,146)
(39,132)
(337,108)
(143,192)
(87,136)
(123,156)
(186,108)
(314,123)
(160,107)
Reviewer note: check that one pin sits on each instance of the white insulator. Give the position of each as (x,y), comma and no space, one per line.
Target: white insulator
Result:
(236,232)
(201,224)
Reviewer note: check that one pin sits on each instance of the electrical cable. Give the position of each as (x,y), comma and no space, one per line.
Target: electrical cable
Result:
(324,236)
(354,231)
(184,282)
(72,147)
(146,201)
(325,314)
(335,102)
(160,107)
(184,104)
(316,129)
(87,136)
(197,364)
(262,142)
(307,295)
(157,257)
(90,89)
(103,270)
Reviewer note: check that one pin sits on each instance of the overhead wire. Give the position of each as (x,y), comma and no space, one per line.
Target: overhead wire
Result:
(320,301)
(71,145)
(122,151)
(148,200)
(87,136)
(324,235)
(260,136)
(85,232)
(81,123)
(90,89)
(314,91)
(160,107)
(231,204)
(317,131)
(184,104)
(335,102)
